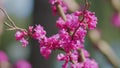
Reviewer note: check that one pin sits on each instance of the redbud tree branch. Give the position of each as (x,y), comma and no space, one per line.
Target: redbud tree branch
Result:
(115,4)
(104,47)
(62,14)
(12,25)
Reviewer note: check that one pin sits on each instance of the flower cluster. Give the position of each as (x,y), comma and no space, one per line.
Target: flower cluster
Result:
(70,37)
(20,36)
(22,64)
(4,62)
(116,20)
(3,56)
(57,2)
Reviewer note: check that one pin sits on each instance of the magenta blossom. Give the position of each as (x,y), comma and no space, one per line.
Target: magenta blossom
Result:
(22,64)
(38,32)
(3,56)
(69,39)
(60,2)
(116,20)
(20,36)
(90,19)
(87,64)
(45,52)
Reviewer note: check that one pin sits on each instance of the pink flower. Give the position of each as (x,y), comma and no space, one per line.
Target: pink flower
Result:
(71,23)
(69,38)
(19,35)
(80,34)
(74,56)
(39,32)
(65,65)
(90,19)
(22,64)
(87,64)
(116,20)
(78,13)
(90,64)
(3,56)
(54,10)
(60,23)
(51,42)
(24,42)
(86,53)
(30,29)
(77,65)
(60,2)
(45,52)
(60,57)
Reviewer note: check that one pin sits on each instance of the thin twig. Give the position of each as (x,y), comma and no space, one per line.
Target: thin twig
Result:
(4,11)
(104,48)
(12,26)
(61,12)
(82,20)
(82,56)
(115,4)
(8,25)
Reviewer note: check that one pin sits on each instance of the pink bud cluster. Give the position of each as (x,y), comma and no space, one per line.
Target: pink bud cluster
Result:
(3,56)
(70,37)
(56,2)
(20,36)
(116,20)
(22,64)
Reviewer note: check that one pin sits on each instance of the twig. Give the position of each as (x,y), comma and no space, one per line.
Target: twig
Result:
(116,4)
(8,25)
(82,56)
(62,14)
(104,48)
(4,11)
(12,26)
(114,59)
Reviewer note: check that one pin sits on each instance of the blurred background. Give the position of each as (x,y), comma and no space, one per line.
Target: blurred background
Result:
(30,12)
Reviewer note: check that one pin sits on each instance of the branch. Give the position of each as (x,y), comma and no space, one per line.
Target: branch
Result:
(116,4)
(62,14)
(4,11)
(104,48)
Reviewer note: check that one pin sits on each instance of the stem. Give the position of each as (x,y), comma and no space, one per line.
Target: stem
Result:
(4,11)
(115,4)
(82,56)
(13,26)
(86,7)
(104,48)
(115,60)
(61,12)
(8,25)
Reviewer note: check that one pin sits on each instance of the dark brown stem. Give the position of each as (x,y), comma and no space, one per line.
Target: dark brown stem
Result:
(86,7)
